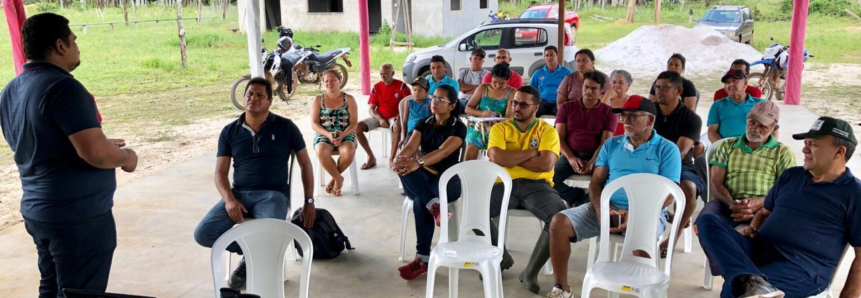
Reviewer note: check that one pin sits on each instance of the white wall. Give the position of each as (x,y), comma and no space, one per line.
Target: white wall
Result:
(468,17)
(294,14)
(261,15)
(427,17)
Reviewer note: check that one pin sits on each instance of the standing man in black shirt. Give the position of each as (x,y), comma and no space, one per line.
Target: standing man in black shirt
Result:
(680,125)
(65,162)
(260,144)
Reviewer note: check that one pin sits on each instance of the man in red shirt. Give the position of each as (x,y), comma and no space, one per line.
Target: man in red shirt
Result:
(503,56)
(383,103)
(740,64)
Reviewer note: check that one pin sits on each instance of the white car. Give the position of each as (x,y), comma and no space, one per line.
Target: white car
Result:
(524,39)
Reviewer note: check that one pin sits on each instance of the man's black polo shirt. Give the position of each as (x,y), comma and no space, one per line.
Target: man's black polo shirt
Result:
(433,136)
(681,123)
(260,159)
(39,110)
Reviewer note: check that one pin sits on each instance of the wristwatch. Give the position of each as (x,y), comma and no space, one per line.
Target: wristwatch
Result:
(421,161)
(309,200)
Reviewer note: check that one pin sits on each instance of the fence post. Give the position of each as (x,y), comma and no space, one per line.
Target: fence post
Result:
(182,43)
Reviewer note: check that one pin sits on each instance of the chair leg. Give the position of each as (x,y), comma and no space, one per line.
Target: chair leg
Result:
(708,279)
(227,259)
(432,266)
(453,278)
(385,132)
(408,205)
(354,177)
(689,235)
(319,174)
(491,280)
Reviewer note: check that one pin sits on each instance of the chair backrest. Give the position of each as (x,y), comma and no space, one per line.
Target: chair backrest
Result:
(264,243)
(709,153)
(646,196)
(477,178)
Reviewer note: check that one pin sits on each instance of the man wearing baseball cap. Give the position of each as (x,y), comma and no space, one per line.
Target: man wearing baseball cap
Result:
(744,169)
(413,108)
(795,242)
(640,150)
(727,117)
(740,64)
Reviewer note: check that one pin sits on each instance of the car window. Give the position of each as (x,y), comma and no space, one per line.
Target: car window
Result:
(747,15)
(487,40)
(529,37)
(722,16)
(533,14)
(554,13)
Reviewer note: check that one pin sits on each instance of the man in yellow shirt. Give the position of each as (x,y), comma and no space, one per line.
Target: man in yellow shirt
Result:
(528,149)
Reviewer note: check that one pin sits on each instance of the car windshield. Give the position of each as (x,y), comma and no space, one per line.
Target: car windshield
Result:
(722,16)
(533,14)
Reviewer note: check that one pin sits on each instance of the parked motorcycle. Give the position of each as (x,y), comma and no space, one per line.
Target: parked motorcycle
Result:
(274,73)
(772,80)
(496,17)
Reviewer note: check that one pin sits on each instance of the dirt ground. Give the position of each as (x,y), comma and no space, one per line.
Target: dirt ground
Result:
(830,89)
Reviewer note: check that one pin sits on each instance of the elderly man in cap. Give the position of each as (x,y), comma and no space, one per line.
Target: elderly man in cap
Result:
(727,117)
(640,150)
(743,169)
(794,243)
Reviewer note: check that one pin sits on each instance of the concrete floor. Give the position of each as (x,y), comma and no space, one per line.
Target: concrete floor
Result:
(157,255)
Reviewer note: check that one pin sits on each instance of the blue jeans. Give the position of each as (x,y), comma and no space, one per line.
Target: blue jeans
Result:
(259,203)
(74,254)
(738,255)
(422,187)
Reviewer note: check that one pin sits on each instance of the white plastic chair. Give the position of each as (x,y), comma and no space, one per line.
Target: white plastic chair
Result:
(264,242)
(321,176)
(405,218)
(387,137)
(708,279)
(472,251)
(828,293)
(633,275)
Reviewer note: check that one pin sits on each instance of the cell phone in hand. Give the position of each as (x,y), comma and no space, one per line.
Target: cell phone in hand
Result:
(615,220)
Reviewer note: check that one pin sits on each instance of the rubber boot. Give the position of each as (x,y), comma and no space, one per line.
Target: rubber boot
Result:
(540,255)
(507,260)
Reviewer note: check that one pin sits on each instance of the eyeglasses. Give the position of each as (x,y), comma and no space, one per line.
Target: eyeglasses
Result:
(632,117)
(521,104)
(664,87)
(438,99)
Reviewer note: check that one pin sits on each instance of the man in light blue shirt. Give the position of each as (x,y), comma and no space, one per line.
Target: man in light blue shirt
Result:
(640,150)
(438,77)
(547,80)
(728,116)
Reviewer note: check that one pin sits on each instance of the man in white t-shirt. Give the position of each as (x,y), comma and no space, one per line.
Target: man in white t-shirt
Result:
(470,78)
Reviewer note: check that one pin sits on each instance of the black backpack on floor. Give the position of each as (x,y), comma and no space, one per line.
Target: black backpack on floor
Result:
(326,236)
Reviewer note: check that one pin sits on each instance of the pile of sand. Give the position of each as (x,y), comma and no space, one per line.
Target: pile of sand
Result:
(646,50)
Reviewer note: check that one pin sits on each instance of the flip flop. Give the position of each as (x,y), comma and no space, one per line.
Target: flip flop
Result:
(366,166)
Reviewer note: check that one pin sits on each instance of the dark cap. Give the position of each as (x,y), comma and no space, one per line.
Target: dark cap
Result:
(421,82)
(827,126)
(637,103)
(733,74)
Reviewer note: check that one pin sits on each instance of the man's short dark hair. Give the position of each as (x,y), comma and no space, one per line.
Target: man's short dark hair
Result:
(587,52)
(741,62)
(437,58)
(850,148)
(536,96)
(672,76)
(680,57)
(551,48)
(595,76)
(477,52)
(41,32)
(501,70)
(263,82)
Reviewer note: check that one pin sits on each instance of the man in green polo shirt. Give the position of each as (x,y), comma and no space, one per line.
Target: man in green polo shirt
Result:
(745,168)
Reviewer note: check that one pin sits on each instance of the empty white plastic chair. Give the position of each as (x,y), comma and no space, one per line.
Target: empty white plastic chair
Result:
(405,217)
(321,175)
(472,251)
(634,275)
(264,243)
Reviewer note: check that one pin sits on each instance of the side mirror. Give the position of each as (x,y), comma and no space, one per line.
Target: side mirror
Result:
(462,47)
(317,46)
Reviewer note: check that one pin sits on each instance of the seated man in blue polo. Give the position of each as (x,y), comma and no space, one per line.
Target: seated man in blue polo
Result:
(260,144)
(794,243)
(547,80)
(728,116)
(438,76)
(640,150)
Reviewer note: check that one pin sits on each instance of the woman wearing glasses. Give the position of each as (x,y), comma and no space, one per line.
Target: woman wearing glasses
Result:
(433,148)
(489,100)
(333,116)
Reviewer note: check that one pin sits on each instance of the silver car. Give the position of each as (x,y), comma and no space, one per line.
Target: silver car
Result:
(736,22)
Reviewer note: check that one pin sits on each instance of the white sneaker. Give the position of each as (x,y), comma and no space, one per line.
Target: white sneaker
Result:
(558,293)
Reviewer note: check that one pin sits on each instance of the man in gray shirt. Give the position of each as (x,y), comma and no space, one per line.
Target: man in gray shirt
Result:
(470,78)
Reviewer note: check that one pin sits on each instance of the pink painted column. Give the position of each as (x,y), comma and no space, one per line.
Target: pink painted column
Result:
(364,48)
(796,52)
(15,18)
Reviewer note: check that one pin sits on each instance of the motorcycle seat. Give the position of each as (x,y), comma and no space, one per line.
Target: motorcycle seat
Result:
(327,56)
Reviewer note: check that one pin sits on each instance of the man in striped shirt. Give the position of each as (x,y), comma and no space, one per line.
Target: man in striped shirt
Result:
(744,169)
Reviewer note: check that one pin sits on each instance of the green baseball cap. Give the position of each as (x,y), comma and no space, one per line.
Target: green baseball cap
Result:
(827,126)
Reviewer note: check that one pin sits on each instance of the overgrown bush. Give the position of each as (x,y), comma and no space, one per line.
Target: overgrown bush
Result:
(833,8)
(46,6)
